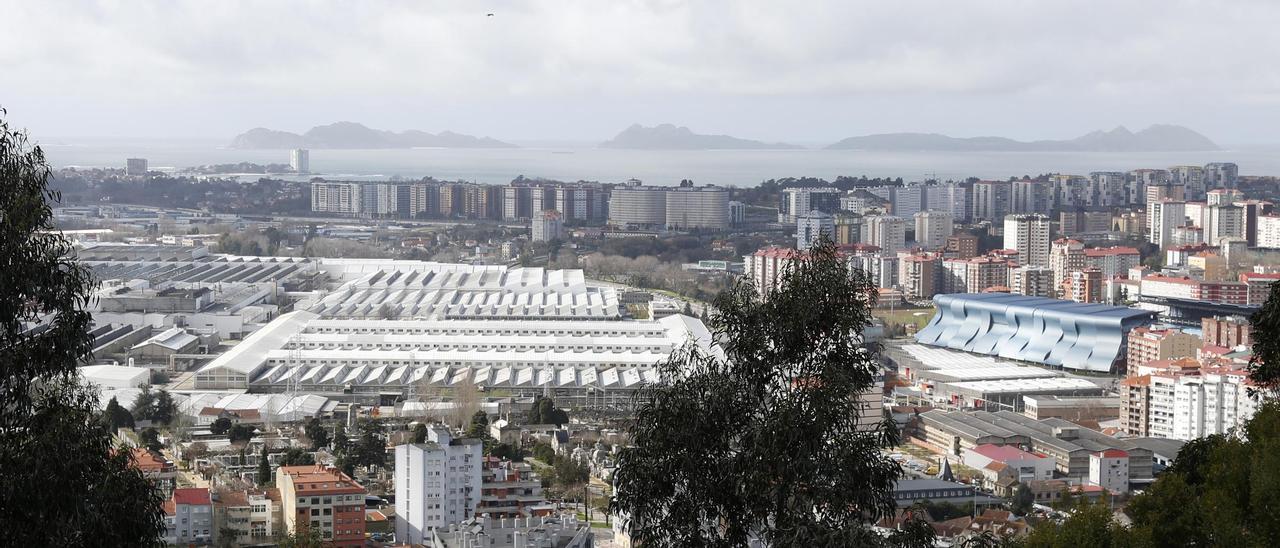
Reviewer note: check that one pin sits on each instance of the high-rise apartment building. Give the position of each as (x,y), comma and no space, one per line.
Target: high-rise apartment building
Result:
(300,160)
(546,226)
(1164,215)
(1227,332)
(135,167)
(517,202)
(1086,285)
(1149,344)
(1191,178)
(933,228)
(952,198)
(918,274)
(1029,235)
(1033,281)
(637,206)
(1079,221)
(1065,256)
(1030,197)
(1107,189)
(1140,179)
(812,226)
(886,232)
(438,483)
(1112,261)
(1223,221)
(1067,192)
(1268,233)
(690,207)
(343,198)
(1223,196)
(1221,175)
(962,246)
(801,200)
(1252,210)
(991,200)
(848,228)
(983,273)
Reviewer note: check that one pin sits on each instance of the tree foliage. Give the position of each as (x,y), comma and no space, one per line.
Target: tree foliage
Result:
(295,456)
(544,411)
(264,467)
(303,538)
(64,484)
(1264,365)
(157,407)
(317,434)
(1023,499)
(765,441)
(150,438)
(241,433)
(117,416)
(220,426)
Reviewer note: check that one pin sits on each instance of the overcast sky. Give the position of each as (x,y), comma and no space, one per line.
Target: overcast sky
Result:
(807,72)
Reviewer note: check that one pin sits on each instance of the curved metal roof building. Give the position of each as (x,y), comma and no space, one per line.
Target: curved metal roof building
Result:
(1073,335)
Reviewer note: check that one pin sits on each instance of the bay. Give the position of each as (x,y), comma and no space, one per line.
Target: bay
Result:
(571,162)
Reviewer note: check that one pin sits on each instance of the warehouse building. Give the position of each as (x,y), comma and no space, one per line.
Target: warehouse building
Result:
(1069,444)
(400,329)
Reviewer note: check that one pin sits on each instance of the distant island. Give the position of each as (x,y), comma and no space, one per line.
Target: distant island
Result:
(670,137)
(242,167)
(1157,138)
(351,135)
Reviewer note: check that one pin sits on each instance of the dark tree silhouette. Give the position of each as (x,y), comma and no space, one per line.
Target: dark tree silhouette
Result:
(760,437)
(62,476)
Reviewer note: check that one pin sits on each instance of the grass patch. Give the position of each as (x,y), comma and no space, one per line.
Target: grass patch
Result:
(905,316)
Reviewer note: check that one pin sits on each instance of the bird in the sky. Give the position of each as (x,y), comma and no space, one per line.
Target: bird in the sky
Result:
(489,15)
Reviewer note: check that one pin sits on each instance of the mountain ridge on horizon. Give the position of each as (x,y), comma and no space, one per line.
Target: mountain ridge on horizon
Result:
(673,137)
(1154,138)
(353,135)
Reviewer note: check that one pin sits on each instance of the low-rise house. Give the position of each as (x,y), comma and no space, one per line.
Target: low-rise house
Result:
(1022,465)
(161,471)
(252,517)
(510,489)
(322,499)
(189,517)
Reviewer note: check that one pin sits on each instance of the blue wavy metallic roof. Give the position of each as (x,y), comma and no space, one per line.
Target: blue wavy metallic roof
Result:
(1035,329)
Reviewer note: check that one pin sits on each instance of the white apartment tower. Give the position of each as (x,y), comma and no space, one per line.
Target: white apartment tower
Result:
(1223,221)
(933,228)
(886,232)
(1029,235)
(1163,216)
(300,160)
(811,226)
(437,484)
(546,226)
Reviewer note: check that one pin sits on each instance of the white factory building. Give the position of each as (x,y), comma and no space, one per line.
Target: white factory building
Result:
(960,380)
(399,327)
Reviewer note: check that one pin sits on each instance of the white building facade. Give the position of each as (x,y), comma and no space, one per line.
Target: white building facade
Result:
(438,483)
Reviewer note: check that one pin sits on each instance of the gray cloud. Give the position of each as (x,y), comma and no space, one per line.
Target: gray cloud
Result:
(583,69)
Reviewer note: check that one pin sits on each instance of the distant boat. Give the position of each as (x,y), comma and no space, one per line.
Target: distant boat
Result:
(562,152)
